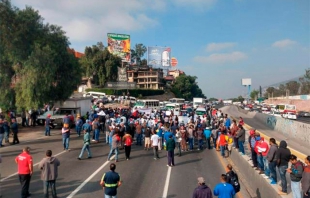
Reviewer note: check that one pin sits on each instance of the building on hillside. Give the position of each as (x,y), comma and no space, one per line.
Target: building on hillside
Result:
(75,53)
(146,77)
(175,73)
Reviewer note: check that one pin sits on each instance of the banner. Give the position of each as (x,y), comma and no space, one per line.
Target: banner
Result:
(119,45)
(122,74)
(159,56)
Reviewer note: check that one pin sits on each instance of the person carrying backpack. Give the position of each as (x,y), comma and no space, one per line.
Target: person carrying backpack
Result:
(127,139)
(232,178)
(296,170)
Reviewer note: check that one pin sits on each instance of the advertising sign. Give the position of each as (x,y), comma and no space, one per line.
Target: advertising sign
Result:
(119,45)
(122,74)
(174,62)
(159,56)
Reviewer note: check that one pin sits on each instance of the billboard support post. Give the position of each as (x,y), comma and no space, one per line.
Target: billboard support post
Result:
(247,82)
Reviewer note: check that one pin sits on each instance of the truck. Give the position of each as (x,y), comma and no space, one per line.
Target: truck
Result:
(197,102)
(72,107)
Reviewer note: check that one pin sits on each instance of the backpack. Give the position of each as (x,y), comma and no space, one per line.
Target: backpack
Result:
(234,181)
(128,141)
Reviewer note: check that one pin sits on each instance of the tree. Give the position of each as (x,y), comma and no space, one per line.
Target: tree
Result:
(137,53)
(213,99)
(254,94)
(293,87)
(186,87)
(305,82)
(37,66)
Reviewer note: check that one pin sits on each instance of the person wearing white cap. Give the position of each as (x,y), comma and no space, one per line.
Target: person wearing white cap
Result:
(202,191)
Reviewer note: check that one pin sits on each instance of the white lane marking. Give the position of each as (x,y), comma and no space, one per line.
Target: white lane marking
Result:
(33,165)
(165,194)
(89,178)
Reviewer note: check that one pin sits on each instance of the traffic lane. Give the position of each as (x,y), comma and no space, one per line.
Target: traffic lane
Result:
(71,173)
(37,151)
(189,167)
(142,176)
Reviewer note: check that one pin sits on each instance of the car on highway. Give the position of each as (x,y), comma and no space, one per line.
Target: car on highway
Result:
(303,114)
(289,115)
(275,113)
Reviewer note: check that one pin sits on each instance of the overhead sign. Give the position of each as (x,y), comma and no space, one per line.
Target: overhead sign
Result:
(159,56)
(119,45)
(174,62)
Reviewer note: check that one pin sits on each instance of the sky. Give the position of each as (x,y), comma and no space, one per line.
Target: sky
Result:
(218,41)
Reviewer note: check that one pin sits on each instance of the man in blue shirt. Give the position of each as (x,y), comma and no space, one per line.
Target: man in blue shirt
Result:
(227,121)
(224,189)
(207,133)
(110,181)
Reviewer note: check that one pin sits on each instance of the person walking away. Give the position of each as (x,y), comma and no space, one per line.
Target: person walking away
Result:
(207,133)
(65,136)
(183,138)
(190,137)
(283,155)
(305,180)
(178,142)
(23,116)
(110,181)
(232,178)
(160,137)
(241,139)
(122,132)
(233,129)
(202,191)
(200,139)
(107,130)
(49,173)
(14,128)
(78,125)
(25,170)
(252,141)
(147,138)
(1,132)
(96,129)
(86,145)
(296,170)
(127,139)
(272,159)
(114,147)
(6,128)
(154,142)
(222,143)
(170,146)
(224,189)
(230,141)
(47,125)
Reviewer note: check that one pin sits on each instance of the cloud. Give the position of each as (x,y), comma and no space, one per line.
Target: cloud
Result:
(221,58)
(89,21)
(202,4)
(284,43)
(219,46)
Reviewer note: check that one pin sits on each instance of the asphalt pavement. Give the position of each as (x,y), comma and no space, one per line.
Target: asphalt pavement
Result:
(143,177)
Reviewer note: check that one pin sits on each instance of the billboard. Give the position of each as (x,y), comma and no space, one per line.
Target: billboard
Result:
(159,56)
(122,74)
(119,45)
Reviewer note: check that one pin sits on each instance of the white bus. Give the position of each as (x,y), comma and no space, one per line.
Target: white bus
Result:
(177,100)
(94,94)
(154,104)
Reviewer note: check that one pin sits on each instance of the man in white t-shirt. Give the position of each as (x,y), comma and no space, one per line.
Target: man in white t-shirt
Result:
(154,142)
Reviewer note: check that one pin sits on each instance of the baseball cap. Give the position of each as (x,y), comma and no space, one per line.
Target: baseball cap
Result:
(201,180)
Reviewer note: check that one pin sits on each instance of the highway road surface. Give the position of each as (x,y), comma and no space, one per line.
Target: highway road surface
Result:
(143,177)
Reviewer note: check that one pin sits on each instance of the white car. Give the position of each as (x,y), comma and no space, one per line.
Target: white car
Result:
(275,113)
(289,115)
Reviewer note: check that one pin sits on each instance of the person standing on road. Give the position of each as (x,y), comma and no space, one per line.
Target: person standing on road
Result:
(202,191)
(96,129)
(1,132)
(139,134)
(65,136)
(6,128)
(154,142)
(224,189)
(272,159)
(296,170)
(127,139)
(110,181)
(184,137)
(49,173)
(78,125)
(86,145)
(14,128)
(147,138)
(170,146)
(178,142)
(232,178)
(114,146)
(25,170)
(252,141)
(47,125)
(283,155)
(191,137)
(305,181)
(207,133)
(241,139)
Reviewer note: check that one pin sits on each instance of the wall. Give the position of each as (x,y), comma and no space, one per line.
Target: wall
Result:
(301,105)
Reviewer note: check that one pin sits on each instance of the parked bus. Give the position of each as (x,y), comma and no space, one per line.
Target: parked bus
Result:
(154,104)
(94,94)
(285,108)
(177,100)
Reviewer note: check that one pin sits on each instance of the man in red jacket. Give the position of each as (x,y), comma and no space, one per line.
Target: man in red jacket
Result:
(262,149)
